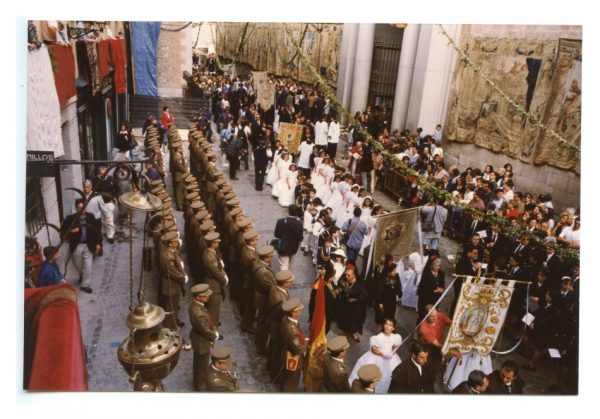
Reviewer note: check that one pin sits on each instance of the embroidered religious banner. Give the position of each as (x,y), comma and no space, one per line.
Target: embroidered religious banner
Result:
(260,78)
(290,136)
(394,234)
(265,96)
(479,315)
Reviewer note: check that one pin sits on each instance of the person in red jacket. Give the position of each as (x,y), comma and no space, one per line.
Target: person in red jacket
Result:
(167,119)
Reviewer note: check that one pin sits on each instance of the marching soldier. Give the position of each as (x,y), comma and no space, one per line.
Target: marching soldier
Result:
(368,377)
(203,335)
(294,345)
(173,279)
(264,280)
(277,296)
(335,373)
(248,256)
(215,275)
(220,378)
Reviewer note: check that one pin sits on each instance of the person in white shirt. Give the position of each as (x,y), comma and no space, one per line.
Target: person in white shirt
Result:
(437,135)
(321,130)
(333,137)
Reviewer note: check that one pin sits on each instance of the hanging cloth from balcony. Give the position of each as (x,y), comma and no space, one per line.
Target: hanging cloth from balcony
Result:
(63,64)
(43,108)
(119,62)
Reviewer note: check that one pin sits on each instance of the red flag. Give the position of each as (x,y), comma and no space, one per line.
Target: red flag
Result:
(313,376)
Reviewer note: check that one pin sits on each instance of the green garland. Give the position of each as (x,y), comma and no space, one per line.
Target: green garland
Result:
(533,120)
(428,188)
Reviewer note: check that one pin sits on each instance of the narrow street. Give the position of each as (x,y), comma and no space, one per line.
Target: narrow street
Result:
(103,312)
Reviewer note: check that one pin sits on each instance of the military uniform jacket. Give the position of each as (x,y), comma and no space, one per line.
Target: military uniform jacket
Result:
(214,273)
(220,381)
(178,167)
(248,257)
(293,340)
(173,275)
(204,331)
(264,278)
(276,299)
(335,376)
(358,388)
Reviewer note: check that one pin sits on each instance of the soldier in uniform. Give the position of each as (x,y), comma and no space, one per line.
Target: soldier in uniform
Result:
(214,273)
(220,378)
(368,377)
(203,335)
(248,256)
(178,169)
(173,279)
(294,345)
(264,280)
(335,373)
(277,296)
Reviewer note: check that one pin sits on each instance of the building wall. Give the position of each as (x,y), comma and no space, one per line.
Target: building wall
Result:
(174,56)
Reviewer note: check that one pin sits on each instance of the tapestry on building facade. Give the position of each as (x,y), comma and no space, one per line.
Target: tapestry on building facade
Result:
(267,47)
(544,77)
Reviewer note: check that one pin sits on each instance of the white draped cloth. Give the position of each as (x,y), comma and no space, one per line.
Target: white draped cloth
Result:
(43,109)
(387,362)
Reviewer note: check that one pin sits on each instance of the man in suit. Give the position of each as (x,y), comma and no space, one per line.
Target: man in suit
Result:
(468,265)
(335,372)
(291,232)
(203,334)
(260,162)
(84,239)
(477,383)
(294,345)
(173,278)
(214,273)
(522,248)
(495,244)
(506,380)
(413,376)
(553,264)
(220,378)
(277,296)
(473,225)
(264,280)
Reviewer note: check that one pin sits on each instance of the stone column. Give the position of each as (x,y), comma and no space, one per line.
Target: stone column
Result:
(406,67)
(346,69)
(362,67)
(435,62)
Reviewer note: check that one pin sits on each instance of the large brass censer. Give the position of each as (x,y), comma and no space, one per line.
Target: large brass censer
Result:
(150,352)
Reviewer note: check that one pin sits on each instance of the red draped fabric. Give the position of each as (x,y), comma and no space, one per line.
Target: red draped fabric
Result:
(119,62)
(103,59)
(54,353)
(63,64)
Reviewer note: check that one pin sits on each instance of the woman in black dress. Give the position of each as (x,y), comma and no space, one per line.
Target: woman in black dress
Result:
(388,292)
(431,286)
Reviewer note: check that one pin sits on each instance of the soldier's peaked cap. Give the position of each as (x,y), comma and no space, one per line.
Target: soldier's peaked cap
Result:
(369,373)
(221,353)
(338,343)
(202,289)
(284,276)
(292,304)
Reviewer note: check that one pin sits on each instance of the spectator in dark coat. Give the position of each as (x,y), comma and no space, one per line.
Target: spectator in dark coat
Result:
(290,232)
(353,304)
(413,376)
